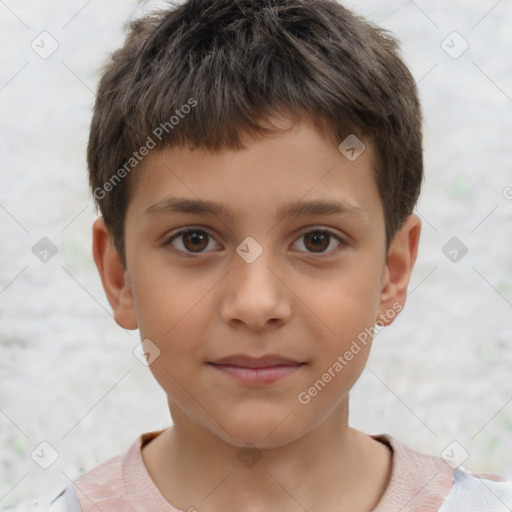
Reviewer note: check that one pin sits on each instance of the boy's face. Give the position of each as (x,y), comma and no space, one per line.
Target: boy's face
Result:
(306,297)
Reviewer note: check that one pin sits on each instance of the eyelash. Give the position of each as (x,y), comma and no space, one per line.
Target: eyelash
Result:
(315,229)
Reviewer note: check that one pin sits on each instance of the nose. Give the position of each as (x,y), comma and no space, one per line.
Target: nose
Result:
(256,295)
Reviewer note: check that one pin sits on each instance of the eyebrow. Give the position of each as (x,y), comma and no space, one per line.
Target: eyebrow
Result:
(174,205)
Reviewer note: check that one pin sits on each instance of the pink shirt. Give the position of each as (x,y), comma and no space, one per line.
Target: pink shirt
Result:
(419,483)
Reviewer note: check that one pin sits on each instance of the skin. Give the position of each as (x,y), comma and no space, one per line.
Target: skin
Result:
(296,299)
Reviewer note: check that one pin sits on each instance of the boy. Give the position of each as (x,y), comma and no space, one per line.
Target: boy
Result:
(283,138)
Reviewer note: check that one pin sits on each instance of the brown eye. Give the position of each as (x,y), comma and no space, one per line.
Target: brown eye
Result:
(317,241)
(190,241)
(322,242)
(195,240)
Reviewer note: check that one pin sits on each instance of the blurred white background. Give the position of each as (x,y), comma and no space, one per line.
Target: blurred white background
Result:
(68,377)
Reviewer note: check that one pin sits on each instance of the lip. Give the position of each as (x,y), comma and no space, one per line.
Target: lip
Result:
(245,361)
(256,371)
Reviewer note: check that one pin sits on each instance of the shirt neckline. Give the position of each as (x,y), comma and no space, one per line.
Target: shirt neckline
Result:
(418,481)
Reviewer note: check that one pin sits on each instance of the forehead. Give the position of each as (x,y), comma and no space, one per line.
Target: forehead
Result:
(266,178)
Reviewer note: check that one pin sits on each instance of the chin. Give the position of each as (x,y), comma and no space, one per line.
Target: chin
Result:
(264,430)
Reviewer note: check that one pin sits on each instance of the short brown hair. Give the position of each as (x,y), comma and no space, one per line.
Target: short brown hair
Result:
(236,63)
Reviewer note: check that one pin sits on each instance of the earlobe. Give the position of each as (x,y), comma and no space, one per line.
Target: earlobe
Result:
(400,261)
(114,276)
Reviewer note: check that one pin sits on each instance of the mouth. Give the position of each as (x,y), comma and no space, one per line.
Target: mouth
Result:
(256,371)
(267,361)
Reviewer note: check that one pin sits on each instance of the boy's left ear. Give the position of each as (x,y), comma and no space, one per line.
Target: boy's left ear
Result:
(401,257)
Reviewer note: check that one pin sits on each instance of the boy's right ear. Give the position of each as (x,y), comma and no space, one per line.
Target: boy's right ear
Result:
(114,276)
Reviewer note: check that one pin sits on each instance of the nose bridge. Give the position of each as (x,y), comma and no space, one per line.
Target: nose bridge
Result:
(255,294)
(253,267)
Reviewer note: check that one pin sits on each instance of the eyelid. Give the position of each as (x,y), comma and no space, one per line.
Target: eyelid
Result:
(331,231)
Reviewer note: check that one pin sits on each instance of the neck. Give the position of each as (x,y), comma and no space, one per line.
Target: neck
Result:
(325,469)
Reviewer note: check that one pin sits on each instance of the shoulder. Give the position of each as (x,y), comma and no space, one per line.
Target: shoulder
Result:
(479,492)
(105,487)
(64,501)
(419,482)
(99,484)
(117,484)
(422,482)
(104,484)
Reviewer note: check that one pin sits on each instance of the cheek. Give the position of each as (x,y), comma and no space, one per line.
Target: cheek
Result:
(343,307)
(342,341)
(170,308)
(168,301)
(178,330)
